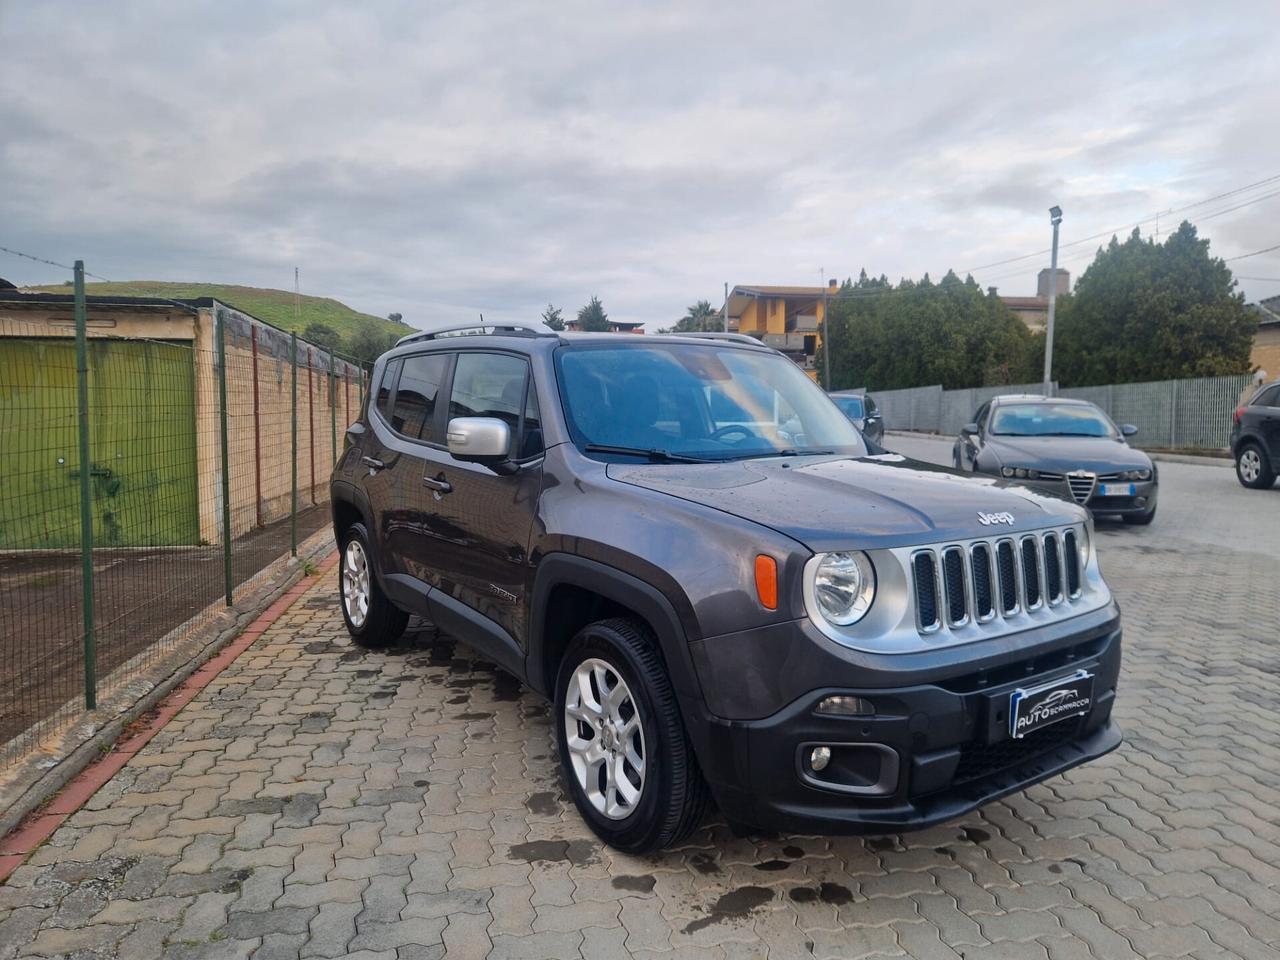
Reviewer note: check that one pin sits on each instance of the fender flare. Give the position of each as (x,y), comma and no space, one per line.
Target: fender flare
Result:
(557,569)
(342,492)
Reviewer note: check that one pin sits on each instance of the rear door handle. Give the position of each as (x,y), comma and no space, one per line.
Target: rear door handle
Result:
(373,463)
(439,484)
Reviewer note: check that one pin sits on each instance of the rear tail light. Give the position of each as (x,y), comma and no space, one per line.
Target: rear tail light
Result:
(1240,413)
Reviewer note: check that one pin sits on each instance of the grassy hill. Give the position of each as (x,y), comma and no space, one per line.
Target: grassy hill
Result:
(274,306)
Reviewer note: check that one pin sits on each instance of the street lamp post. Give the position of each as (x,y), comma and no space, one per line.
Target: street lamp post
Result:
(1055,217)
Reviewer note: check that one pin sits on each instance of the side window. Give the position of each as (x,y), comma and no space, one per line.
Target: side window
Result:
(386,387)
(416,395)
(870,404)
(980,418)
(490,385)
(1269,398)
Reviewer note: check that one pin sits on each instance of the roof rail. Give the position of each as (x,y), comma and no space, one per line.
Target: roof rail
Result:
(506,328)
(721,335)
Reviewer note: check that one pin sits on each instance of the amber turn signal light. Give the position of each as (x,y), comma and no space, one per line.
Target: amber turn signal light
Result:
(767,581)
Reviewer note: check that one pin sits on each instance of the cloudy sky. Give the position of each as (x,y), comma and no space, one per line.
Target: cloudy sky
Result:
(440,159)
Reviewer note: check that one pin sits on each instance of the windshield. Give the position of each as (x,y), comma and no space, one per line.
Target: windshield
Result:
(850,406)
(701,401)
(1050,420)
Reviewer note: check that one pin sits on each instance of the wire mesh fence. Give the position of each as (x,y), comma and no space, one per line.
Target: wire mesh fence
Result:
(1190,414)
(208,460)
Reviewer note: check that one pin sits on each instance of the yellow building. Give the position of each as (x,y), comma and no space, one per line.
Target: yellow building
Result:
(1266,342)
(788,319)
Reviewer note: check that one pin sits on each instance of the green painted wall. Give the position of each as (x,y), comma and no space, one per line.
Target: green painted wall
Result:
(142,443)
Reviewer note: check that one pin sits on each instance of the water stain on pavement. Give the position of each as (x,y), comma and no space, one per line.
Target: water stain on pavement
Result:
(704,863)
(577,852)
(733,905)
(543,804)
(642,884)
(976,835)
(773,865)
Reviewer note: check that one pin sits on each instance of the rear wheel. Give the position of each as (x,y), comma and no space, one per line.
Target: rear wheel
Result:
(1252,468)
(623,749)
(372,619)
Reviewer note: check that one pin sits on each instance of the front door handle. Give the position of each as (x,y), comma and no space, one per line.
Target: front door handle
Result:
(439,484)
(373,463)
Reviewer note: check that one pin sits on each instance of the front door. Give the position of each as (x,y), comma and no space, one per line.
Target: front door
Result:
(482,518)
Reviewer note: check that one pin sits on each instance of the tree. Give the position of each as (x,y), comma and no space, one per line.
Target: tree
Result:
(395,317)
(370,341)
(592,317)
(1152,311)
(701,316)
(884,337)
(322,335)
(553,317)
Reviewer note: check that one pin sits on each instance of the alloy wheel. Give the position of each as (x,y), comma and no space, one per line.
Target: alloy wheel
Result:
(355,583)
(1250,465)
(605,738)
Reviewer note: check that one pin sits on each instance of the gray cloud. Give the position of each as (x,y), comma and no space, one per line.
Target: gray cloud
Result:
(450,158)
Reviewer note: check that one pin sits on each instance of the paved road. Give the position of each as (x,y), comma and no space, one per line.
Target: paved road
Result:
(319,800)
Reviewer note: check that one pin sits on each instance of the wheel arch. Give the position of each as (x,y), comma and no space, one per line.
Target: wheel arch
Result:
(570,592)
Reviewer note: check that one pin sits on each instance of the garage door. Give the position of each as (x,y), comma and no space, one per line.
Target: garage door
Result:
(142,443)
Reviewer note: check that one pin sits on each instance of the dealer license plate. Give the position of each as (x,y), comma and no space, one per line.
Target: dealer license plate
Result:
(1117,489)
(1035,708)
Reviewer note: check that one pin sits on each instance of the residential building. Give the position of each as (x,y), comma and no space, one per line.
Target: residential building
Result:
(789,319)
(1266,342)
(1034,311)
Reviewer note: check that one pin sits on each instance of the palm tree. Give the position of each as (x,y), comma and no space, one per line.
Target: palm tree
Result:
(701,316)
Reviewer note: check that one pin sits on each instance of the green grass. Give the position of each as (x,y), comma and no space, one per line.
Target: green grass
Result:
(274,306)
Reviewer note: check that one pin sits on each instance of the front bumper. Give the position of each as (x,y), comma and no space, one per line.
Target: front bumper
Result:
(944,743)
(1143,500)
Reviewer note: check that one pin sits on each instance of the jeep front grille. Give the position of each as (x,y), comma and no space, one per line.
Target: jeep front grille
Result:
(980,580)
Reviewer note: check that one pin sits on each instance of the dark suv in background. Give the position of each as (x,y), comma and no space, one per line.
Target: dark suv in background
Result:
(1255,438)
(862,412)
(685,546)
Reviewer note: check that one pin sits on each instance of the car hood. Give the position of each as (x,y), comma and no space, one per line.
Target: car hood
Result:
(832,503)
(1064,454)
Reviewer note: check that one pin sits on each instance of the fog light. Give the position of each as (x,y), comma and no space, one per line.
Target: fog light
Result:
(845,707)
(819,758)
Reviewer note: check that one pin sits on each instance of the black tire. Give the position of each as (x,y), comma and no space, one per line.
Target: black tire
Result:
(384,622)
(673,797)
(1264,477)
(1140,519)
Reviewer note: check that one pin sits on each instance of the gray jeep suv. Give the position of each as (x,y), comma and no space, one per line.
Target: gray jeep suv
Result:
(684,545)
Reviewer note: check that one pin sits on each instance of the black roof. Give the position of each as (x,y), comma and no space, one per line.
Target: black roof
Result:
(109,300)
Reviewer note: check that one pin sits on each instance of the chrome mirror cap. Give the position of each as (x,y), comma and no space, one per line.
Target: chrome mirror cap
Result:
(479,438)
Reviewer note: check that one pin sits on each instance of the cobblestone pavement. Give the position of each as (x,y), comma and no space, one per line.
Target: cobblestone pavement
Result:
(320,801)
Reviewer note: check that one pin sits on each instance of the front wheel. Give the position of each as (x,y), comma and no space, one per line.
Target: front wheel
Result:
(623,749)
(372,620)
(1252,469)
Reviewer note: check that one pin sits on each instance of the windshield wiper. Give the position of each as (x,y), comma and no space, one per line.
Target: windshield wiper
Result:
(785,452)
(652,455)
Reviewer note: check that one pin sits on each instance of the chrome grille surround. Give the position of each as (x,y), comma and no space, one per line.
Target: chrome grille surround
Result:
(1048,573)
(1082,484)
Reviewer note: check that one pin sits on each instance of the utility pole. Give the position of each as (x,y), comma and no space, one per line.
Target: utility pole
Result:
(1055,217)
(826,339)
(726,307)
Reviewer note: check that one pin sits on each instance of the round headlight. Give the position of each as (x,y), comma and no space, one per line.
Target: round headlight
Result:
(1021,472)
(844,584)
(1085,546)
(1006,471)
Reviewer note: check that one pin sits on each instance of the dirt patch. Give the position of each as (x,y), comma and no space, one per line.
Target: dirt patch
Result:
(139,596)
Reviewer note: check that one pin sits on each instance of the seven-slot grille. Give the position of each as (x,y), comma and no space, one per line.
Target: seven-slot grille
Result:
(959,583)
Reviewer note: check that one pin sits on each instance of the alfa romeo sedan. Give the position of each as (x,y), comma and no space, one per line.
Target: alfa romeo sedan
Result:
(1066,447)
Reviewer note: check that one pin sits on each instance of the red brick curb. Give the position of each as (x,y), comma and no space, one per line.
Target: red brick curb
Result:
(18,845)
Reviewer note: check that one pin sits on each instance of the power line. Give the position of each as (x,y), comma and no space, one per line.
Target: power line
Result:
(1260,279)
(1246,256)
(28,256)
(1155,216)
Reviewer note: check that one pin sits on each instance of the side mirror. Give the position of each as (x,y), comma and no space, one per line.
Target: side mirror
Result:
(484,440)
(969,429)
(1128,429)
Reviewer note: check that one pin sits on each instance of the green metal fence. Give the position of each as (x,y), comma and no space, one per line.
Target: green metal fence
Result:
(147,484)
